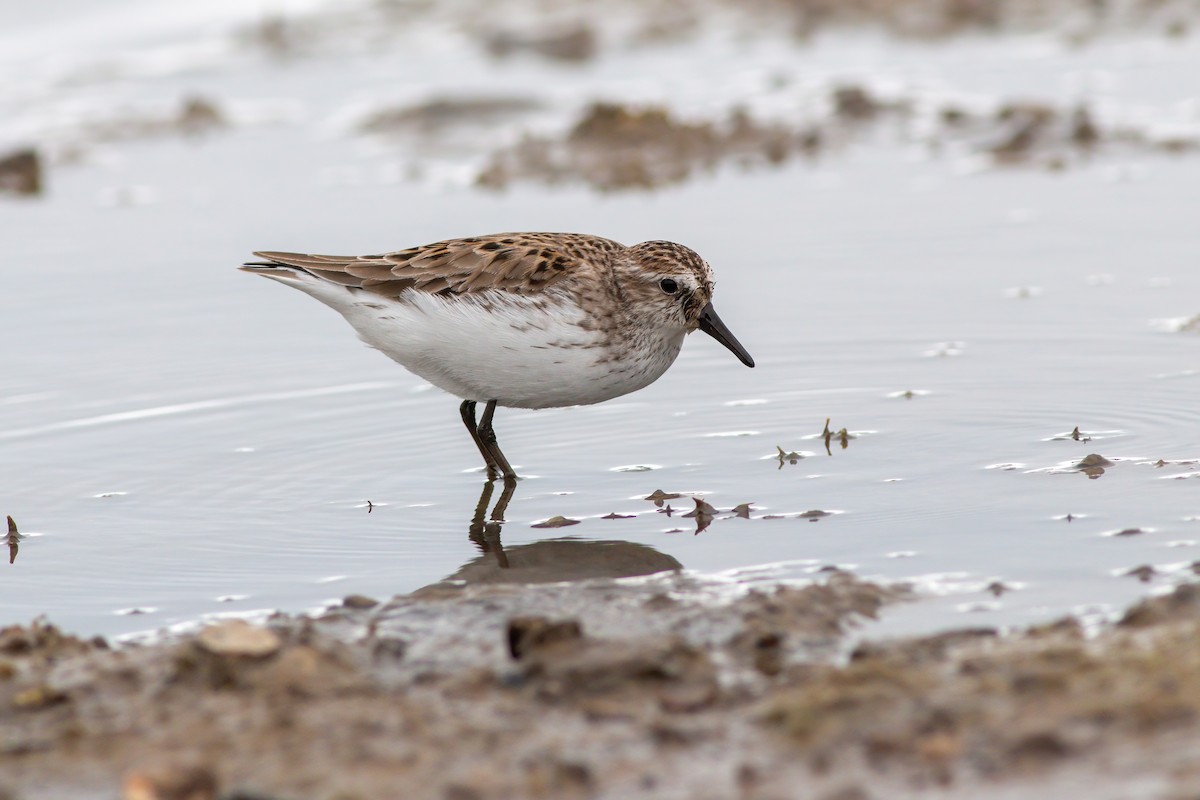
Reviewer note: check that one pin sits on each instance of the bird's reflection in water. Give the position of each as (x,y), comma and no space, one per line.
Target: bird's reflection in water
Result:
(550,560)
(486,533)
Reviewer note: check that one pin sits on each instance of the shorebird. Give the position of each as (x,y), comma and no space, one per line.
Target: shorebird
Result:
(520,320)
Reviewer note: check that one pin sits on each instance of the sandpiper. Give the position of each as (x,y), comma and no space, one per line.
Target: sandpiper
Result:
(521,320)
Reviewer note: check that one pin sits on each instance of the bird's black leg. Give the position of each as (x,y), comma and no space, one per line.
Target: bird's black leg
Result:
(488,438)
(467,409)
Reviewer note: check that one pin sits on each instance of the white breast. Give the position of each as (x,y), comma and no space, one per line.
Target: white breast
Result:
(523,352)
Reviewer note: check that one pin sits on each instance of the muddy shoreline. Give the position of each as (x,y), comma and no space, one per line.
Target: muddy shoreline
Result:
(1008,309)
(617,140)
(656,687)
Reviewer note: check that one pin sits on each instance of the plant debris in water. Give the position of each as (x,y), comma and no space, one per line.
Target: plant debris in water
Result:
(998,588)
(703,513)
(1144,573)
(792,458)
(13,540)
(843,437)
(1129,532)
(658,496)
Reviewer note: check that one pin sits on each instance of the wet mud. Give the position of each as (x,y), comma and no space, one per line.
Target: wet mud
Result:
(21,172)
(613,146)
(937,19)
(617,144)
(652,688)
(570,667)
(438,116)
(576,33)
(191,116)
(571,43)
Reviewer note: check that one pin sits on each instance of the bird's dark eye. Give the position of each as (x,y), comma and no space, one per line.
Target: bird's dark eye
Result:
(669,286)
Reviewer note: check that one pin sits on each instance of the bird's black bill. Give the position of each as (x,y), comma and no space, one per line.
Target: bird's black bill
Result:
(711,324)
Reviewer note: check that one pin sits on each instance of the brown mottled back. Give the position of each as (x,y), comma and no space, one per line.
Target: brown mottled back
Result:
(522,263)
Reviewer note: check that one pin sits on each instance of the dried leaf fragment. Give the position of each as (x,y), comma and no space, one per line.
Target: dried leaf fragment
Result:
(13,540)
(658,496)
(703,513)
(703,508)
(1143,573)
(792,458)
(557,521)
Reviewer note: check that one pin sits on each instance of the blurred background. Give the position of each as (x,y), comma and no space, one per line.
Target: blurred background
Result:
(963,231)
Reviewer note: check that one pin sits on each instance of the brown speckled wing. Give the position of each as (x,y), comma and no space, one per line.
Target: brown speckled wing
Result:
(522,263)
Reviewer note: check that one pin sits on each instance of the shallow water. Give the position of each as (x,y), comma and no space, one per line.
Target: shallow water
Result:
(178,438)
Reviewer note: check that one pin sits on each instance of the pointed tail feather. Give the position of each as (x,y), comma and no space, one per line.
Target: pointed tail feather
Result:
(293,268)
